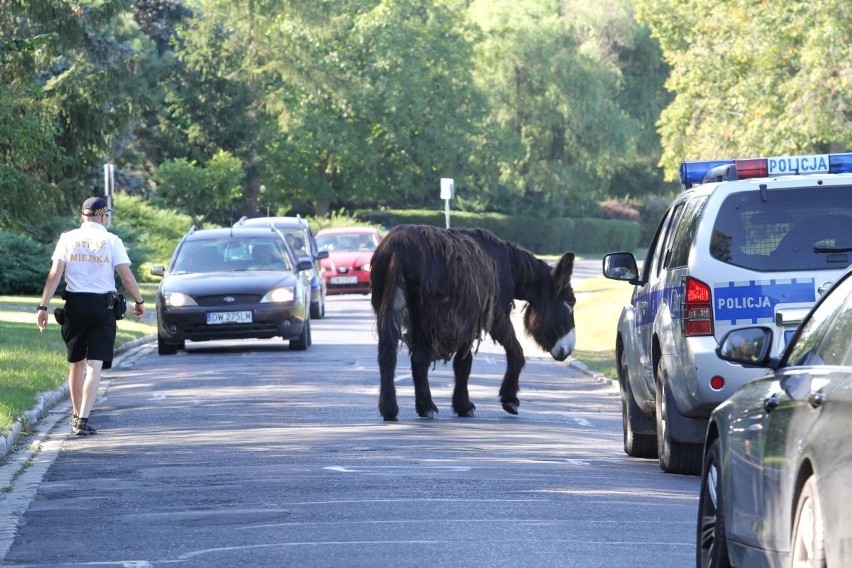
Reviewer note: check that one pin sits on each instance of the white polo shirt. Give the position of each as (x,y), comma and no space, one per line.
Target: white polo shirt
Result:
(91,254)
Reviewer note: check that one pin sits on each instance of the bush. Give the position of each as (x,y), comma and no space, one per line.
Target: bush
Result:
(542,236)
(24,264)
(652,210)
(613,209)
(150,234)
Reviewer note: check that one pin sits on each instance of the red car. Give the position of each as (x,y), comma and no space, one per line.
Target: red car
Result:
(350,251)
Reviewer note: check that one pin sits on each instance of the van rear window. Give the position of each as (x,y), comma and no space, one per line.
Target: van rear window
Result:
(808,228)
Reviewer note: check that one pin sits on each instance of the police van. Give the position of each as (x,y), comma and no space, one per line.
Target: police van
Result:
(747,242)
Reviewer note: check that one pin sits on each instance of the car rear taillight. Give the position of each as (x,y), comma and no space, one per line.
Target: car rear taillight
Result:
(697,308)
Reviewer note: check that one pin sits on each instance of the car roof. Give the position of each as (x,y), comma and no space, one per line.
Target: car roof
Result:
(348,230)
(261,231)
(290,222)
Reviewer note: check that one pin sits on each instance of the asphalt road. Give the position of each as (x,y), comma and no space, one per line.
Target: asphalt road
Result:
(246,454)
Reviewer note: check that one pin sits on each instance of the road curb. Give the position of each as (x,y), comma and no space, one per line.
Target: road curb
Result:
(582,367)
(47,400)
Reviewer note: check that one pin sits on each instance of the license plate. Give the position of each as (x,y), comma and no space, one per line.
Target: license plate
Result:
(344,279)
(215,318)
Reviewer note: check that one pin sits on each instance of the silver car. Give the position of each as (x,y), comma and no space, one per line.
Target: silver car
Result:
(775,487)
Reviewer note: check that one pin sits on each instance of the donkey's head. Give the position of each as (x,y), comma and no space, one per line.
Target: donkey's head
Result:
(549,318)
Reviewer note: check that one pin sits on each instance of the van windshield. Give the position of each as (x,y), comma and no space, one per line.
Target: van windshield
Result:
(808,228)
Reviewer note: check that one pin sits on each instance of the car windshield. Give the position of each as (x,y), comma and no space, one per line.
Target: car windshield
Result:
(808,228)
(346,242)
(232,255)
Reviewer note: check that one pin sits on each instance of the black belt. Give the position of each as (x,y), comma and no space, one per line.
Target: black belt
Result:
(66,294)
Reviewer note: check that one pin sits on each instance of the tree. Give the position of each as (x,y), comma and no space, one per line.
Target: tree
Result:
(375,103)
(74,88)
(759,78)
(217,101)
(556,101)
(27,144)
(209,193)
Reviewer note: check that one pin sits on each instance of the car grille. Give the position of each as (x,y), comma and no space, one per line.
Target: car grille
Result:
(219,300)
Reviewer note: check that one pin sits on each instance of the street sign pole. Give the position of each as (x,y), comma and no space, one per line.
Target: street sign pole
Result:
(109,187)
(448,191)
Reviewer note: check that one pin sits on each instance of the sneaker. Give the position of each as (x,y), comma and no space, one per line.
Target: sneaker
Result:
(74,420)
(83,428)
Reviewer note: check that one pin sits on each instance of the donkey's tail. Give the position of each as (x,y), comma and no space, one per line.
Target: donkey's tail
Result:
(388,300)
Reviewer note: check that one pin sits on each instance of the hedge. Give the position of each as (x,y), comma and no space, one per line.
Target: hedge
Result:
(543,236)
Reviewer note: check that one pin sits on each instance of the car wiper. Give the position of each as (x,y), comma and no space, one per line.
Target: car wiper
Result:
(824,249)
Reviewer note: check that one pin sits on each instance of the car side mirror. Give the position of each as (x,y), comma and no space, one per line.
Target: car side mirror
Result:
(620,266)
(158,270)
(749,346)
(322,254)
(304,265)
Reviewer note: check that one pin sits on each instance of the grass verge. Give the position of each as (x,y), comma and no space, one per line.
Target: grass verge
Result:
(599,304)
(32,362)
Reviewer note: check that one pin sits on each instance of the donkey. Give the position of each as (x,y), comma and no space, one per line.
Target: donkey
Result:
(440,290)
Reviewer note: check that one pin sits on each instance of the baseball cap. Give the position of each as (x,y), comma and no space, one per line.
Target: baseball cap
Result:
(95,206)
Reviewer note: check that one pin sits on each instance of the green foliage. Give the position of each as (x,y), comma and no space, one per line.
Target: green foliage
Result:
(153,233)
(24,264)
(206,193)
(374,101)
(27,151)
(652,209)
(557,93)
(760,79)
(337,219)
(84,74)
(543,236)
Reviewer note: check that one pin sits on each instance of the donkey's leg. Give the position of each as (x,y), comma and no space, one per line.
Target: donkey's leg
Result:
(462,363)
(387,368)
(422,393)
(503,332)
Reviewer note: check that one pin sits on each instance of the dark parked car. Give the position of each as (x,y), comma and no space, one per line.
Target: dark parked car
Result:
(350,253)
(232,284)
(775,488)
(298,232)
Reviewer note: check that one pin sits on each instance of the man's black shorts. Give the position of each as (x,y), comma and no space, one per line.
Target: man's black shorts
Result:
(89,328)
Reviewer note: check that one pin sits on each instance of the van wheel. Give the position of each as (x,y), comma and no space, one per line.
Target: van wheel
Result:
(165,348)
(635,444)
(675,457)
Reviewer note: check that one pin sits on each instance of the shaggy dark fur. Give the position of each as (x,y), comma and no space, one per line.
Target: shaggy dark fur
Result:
(441,290)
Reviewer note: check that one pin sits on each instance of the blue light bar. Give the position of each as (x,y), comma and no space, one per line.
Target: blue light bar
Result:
(692,173)
(840,163)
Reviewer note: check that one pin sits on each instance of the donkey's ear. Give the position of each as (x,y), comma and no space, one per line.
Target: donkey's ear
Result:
(563,270)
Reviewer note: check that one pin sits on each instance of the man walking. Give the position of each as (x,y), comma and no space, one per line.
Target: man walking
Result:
(89,257)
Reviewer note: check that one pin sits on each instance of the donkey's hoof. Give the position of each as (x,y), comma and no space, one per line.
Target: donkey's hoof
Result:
(427,414)
(511,407)
(391,419)
(469,413)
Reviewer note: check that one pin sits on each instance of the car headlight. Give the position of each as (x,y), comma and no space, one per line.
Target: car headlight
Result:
(287,294)
(178,300)
(366,267)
